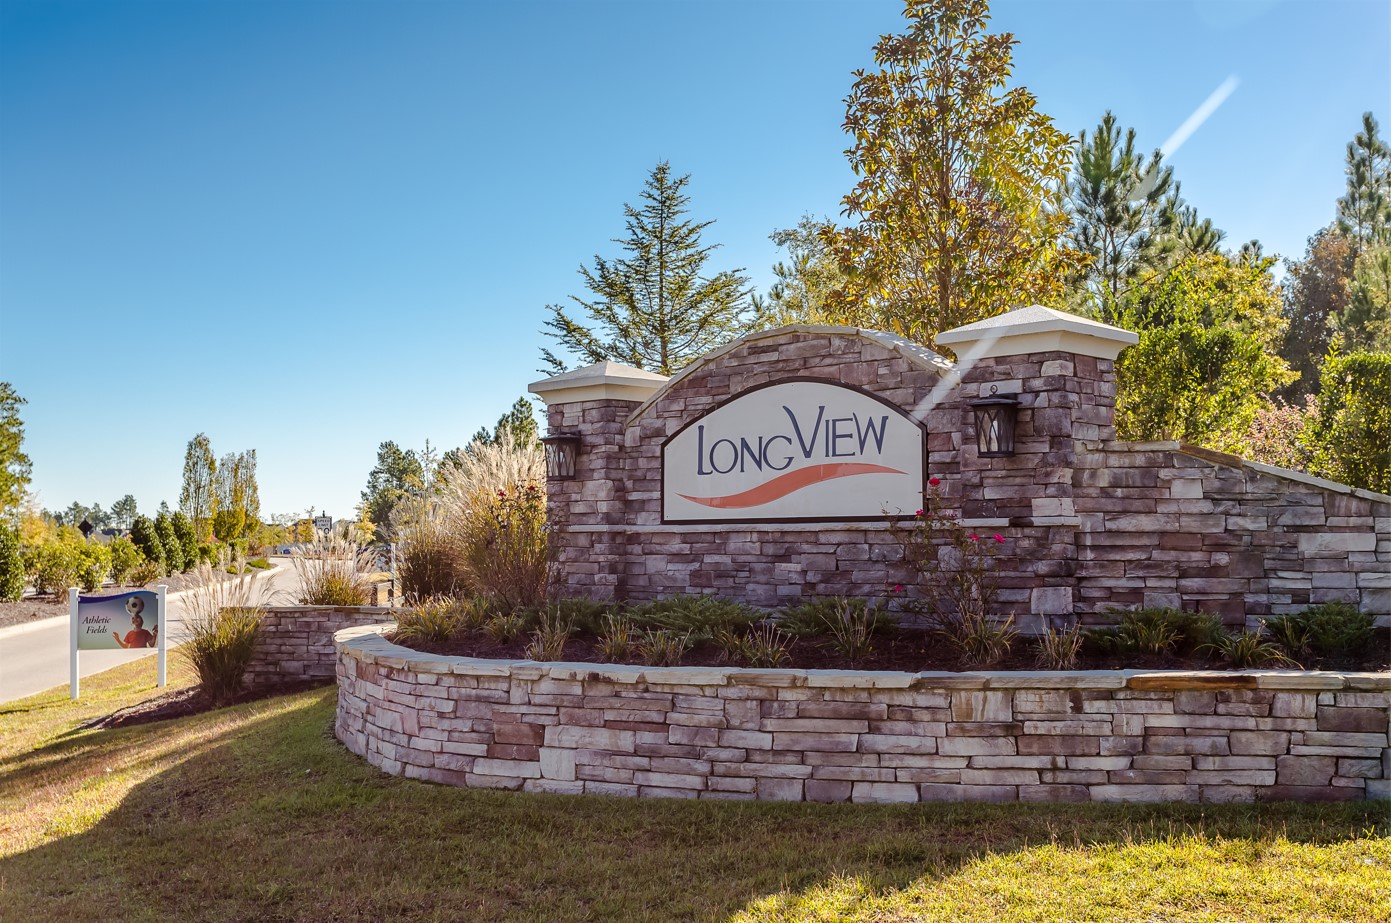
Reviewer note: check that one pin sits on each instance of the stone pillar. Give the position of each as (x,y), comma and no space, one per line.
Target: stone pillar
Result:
(1062,369)
(588,514)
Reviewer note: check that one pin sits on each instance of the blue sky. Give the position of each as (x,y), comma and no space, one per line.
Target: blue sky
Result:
(307,227)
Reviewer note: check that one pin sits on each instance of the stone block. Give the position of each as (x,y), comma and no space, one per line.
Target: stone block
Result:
(591,738)
(822,743)
(1180,746)
(827,791)
(999,776)
(976,746)
(1355,720)
(1053,793)
(1148,793)
(557,764)
(1307,793)
(1305,770)
(884,792)
(1232,776)
(1259,743)
(779,789)
(887,743)
(1360,768)
(932,791)
(982,706)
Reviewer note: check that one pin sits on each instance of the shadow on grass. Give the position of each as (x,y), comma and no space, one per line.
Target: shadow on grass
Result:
(269,818)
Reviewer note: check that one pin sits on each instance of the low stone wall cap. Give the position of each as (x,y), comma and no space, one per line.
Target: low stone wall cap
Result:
(1038,329)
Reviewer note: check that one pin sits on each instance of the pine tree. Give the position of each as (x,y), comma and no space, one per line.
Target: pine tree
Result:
(124,511)
(1123,209)
(1364,212)
(807,281)
(15,466)
(653,308)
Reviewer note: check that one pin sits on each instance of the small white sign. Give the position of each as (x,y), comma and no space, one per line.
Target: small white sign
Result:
(323,524)
(795,450)
(127,621)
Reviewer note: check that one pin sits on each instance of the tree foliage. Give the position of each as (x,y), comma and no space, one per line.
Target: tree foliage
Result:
(11,565)
(1353,426)
(146,538)
(1364,211)
(1123,209)
(187,537)
(124,511)
(808,279)
(198,498)
(1205,362)
(518,423)
(398,475)
(15,466)
(654,308)
(169,541)
(1316,290)
(957,213)
(1364,324)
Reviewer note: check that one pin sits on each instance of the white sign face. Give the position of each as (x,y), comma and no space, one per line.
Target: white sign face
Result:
(323,523)
(108,623)
(795,450)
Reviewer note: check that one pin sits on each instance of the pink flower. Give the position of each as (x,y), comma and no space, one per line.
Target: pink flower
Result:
(918,513)
(975,537)
(898,588)
(934,481)
(999,538)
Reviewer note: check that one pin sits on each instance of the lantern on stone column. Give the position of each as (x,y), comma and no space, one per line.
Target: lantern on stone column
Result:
(995,417)
(561,452)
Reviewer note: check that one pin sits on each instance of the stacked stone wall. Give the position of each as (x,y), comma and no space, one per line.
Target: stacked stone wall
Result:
(1090,523)
(295,643)
(794,735)
(1169,525)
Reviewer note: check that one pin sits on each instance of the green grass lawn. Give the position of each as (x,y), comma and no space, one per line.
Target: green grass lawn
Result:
(256,813)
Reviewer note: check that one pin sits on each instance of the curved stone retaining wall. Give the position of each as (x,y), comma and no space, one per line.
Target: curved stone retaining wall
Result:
(696,732)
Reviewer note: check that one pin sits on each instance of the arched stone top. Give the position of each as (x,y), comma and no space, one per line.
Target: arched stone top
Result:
(915,354)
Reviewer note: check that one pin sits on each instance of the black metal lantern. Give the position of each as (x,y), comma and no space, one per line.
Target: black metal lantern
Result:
(995,416)
(561,451)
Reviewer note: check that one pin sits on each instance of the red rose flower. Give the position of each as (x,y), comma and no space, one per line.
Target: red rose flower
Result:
(999,537)
(934,481)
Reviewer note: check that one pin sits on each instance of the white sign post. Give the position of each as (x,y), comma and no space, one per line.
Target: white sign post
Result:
(97,623)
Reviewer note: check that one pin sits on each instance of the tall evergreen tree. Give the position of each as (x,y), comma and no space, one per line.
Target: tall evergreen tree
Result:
(15,467)
(519,422)
(1364,211)
(198,498)
(654,308)
(169,541)
(806,282)
(398,474)
(1123,210)
(958,211)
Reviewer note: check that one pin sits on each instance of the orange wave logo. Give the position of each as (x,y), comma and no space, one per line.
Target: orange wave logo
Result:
(789,483)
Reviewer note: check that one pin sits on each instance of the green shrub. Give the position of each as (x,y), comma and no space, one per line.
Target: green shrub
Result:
(146,573)
(1352,430)
(505,626)
(125,557)
(979,640)
(699,617)
(259,564)
(222,619)
(209,552)
(588,616)
(11,566)
(1158,631)
(95,566)
(56,565)
(1334,630)
(188,539)
(173,551)
(146,538)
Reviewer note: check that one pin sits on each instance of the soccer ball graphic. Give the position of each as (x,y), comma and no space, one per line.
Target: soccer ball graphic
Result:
(135,606)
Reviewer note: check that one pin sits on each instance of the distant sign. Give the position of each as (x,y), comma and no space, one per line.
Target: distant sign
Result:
(108,623)
(323,524)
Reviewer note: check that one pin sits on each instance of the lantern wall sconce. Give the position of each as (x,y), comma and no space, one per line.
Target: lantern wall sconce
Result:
(561,451)
(995,418)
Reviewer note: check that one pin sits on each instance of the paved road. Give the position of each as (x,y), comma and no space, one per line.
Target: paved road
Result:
(34,657)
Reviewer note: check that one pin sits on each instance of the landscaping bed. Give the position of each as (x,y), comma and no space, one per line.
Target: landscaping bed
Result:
(839,635)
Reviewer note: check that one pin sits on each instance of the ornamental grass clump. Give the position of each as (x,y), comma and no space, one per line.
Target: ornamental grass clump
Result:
(333,572)
(700,617)
(550,636)
(763,646)
(433,622)
(222,621)
(1059,648)
(1250,649)
(617,639)
(662,647)
(492,507)
(428,561)
(1334,631)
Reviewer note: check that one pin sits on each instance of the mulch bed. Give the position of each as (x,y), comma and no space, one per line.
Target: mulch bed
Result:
(909,651)
(32,609)
(180,703)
